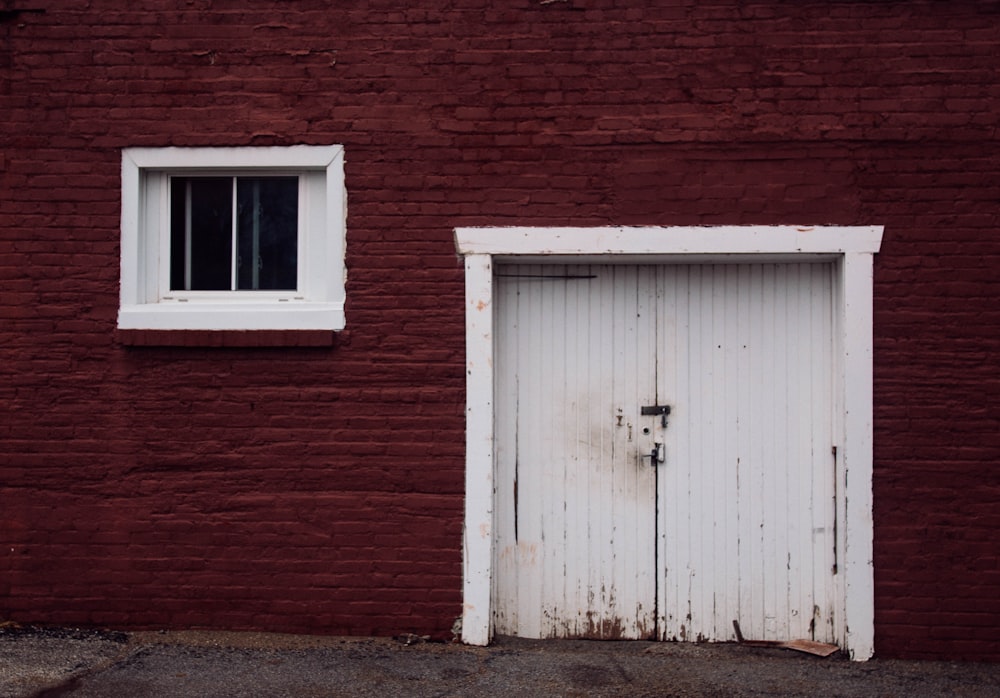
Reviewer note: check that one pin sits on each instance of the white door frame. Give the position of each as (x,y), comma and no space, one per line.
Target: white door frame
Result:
(852,248)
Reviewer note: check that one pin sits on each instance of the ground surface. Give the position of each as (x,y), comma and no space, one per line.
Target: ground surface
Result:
(80,663)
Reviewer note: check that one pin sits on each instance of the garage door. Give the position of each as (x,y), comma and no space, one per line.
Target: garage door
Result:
(665,463)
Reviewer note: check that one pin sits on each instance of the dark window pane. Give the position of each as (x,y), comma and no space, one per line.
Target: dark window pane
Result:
(267,233)
(201,210)
(177,224)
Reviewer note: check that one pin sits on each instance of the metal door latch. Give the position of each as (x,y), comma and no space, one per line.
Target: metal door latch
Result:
(657,455)
(653,410)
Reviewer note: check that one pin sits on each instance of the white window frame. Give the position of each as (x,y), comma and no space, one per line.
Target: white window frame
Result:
(850,248)
(147,303)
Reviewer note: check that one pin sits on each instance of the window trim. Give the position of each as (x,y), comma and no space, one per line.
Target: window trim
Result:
(319,302)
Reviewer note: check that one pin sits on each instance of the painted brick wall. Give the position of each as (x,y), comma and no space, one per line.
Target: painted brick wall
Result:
(320,488)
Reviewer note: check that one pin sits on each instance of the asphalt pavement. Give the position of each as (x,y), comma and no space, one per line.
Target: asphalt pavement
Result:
(50,662)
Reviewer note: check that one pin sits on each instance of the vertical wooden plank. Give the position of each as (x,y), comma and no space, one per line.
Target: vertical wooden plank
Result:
(622,550)
(576,358)
(762,552)
(798,464)
(826,564)
(599,412)
(507,357)
(724,427)
(827,616)
(478,543)
(602,535)
(748,502)
(840,440)
(666,394)
(690,529)
(600,538)
(702,513)
(727,599)
(546,350)
(747,384)
(638,532)
(713,467)
(856,328)
(518,578)
(671,391)
(505,561)
(775,465)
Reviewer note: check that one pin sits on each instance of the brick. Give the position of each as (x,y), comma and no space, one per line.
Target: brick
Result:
(253,480)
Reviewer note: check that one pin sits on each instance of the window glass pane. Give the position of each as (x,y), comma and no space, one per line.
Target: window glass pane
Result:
(201,233)
(267,233)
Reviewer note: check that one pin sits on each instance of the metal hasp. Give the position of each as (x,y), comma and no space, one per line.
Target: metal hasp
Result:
(658,454)
(653,410)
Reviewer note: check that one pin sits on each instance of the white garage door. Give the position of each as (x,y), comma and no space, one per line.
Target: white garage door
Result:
(617,519)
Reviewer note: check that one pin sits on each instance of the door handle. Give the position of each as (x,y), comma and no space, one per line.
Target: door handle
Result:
(657,455)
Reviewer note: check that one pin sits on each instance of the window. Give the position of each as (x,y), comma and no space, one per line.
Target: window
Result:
(233,238)
(234,233)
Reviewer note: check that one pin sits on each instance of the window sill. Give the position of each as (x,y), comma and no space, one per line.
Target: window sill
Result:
(239,317)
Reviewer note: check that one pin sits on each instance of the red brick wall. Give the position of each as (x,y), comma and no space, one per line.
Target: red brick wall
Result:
(319,488)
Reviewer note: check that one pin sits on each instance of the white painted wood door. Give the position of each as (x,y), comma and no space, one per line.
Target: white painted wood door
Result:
(747,492)
(738,523)
(574,543)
